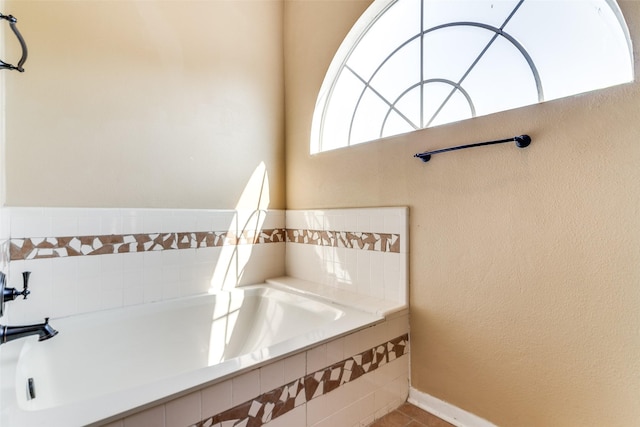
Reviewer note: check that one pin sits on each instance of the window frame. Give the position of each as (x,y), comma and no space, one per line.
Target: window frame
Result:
(360,29)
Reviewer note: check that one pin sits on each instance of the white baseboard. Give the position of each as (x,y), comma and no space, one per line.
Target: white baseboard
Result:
(448,412)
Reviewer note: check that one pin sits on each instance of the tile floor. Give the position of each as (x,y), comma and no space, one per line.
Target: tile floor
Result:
(409,415)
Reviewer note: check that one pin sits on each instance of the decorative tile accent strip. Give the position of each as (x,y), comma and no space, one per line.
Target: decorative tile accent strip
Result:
(54,247)
(279,401)
(382,242)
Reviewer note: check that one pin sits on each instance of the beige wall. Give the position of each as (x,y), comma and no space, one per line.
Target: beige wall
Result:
(144,103)
(525,264)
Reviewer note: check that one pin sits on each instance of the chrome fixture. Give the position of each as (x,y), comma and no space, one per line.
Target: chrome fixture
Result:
(9,294)
(43,330)
(23,45)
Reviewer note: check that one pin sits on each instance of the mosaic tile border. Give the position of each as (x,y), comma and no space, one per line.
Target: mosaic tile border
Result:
(382,242)
(279,401)
(57,247)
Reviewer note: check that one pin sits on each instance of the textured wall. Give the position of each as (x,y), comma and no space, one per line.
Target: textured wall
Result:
(144,103)
(524,263)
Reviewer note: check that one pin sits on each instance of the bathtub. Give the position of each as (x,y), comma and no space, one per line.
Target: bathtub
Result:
(107,364)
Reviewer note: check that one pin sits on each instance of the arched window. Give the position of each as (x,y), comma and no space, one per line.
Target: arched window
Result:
(412,64)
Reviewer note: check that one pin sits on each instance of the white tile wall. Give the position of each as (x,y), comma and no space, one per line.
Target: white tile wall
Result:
(360,402)
(66,286)
(216,398)
(345,406)
(354,404)
(271,376)
(44,222)
(183,411)
(245,386)
(71,285)
(150,417)
(296,417)
(382,275)
(4,240)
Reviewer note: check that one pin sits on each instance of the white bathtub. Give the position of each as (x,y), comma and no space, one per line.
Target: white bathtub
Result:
(109,363)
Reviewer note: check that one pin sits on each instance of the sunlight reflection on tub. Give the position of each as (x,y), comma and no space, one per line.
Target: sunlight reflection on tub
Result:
(248,219)
(225,316)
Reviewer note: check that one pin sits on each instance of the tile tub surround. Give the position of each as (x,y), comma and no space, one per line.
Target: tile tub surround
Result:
(56,247)
(345,382)
(67,246)
(381,242)
(91,259)
(4,255)
(85,259)
(4,241)
(72,231)
(364,251)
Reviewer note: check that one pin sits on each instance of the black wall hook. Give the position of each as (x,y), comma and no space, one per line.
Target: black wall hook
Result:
(12,23)
(521,142)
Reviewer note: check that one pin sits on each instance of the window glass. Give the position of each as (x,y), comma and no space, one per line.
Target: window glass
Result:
(385,36)
(409,104)
(439,12)
(399,72)
(368,118)
(581,45)
(445,104)
(411,64)
(449,51)
(501,88)
(340,109)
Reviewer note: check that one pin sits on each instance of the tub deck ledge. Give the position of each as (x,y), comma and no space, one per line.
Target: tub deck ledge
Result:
(380,307)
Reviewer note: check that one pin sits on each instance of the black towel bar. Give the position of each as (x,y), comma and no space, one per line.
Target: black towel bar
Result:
(521,142)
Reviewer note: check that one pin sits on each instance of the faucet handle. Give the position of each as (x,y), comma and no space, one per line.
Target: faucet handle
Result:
(10,294)
(25,281)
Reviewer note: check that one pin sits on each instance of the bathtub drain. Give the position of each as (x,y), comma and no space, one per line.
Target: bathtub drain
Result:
(31,389)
